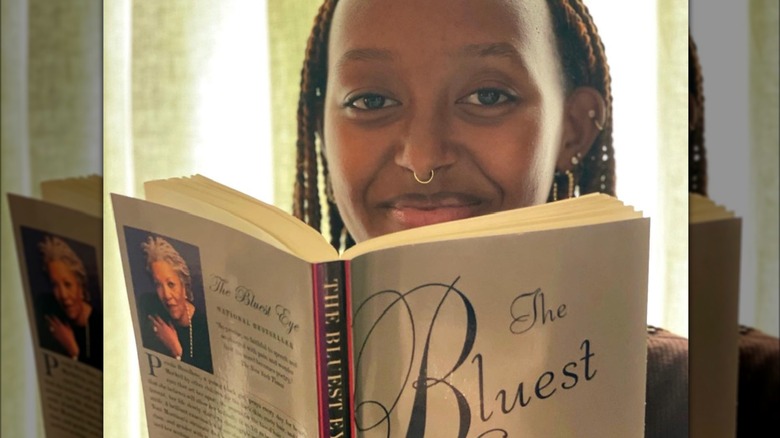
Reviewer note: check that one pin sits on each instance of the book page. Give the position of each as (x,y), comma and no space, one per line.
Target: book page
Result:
(714,265)
(60,257)
(227,349)
(539,334)
(83,193)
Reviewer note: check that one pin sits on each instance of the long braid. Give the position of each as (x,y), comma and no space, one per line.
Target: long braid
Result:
(584,62)
(583,59)
(697,158)
(306,205)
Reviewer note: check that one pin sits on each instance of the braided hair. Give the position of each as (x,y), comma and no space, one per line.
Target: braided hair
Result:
(584,64)
(697,162)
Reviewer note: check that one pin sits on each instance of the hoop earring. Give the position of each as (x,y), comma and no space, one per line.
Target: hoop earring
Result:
(416,178)
(592,115)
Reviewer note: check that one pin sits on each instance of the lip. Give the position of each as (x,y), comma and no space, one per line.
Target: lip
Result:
(417,210)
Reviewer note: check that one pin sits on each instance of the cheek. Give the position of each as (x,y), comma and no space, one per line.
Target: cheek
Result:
(350,155)
(518,162)
(356,156)
(179,291)
(75,292)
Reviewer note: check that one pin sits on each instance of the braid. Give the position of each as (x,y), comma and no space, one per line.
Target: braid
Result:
(584,62)
(582,57)
(697,159)
(306,205)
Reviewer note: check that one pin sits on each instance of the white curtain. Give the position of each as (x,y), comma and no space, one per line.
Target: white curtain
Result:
(187,91)
(51,129)
(737,43)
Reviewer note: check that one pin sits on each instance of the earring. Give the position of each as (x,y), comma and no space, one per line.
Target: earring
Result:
(569,175)
(592,115)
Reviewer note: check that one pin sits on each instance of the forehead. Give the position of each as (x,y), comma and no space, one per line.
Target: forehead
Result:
(162,267)
(440,26)
(59,267)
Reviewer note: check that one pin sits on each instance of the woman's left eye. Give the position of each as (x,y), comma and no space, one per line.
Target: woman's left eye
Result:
(371,101)
(487,97)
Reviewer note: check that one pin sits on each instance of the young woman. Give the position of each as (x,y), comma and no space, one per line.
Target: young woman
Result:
(445,109)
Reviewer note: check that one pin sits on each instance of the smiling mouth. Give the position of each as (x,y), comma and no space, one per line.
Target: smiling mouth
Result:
(415,210)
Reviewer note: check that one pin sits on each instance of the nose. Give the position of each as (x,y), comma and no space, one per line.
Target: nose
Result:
(426,145)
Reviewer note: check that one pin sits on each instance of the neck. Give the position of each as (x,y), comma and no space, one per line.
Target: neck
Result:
(186,318)
(83,317)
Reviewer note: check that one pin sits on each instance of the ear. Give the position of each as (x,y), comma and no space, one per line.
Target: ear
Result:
(584,118)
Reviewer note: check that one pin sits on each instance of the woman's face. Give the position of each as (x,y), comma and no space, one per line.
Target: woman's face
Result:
(471,89)
(170,289)
(68,290)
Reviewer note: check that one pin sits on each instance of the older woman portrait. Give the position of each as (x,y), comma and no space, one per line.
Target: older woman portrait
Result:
(171,322)
(68,321)
(424,112)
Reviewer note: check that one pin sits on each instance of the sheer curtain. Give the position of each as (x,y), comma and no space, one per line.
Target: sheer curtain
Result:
(188,90)
(51,129)
(737,44)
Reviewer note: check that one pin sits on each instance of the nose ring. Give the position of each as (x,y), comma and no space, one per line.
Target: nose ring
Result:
(430,178)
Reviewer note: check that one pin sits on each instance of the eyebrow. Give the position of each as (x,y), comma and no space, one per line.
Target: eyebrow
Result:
(365,54)
(484,50)
(505,50)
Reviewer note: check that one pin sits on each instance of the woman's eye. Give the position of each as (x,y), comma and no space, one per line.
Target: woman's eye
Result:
(170,285)
(371,102)
(487,97)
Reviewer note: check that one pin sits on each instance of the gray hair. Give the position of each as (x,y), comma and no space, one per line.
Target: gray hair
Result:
(55,249)
(158,249)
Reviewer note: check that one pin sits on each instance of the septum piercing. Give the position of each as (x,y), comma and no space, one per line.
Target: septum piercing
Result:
(430,178)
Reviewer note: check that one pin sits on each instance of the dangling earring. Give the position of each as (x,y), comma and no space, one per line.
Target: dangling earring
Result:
(570,177)
(566,177)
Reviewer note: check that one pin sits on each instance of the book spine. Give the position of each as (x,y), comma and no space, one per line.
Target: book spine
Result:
(334,355)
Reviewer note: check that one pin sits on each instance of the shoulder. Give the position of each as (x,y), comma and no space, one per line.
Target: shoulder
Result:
(666,350)
(759,383)
(666,411)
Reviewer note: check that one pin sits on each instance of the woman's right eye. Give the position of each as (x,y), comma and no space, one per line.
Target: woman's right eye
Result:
(367,102)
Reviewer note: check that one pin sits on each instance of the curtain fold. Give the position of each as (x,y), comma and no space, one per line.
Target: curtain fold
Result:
(187,91)
(764,157)
(51,129)
(672,182)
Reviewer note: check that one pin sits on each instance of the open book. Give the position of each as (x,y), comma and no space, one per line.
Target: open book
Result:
(59,243)
(713,266)
(529,322)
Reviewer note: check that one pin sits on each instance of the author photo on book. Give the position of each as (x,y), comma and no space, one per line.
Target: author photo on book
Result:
(172,319)
(418,113)
(65,296)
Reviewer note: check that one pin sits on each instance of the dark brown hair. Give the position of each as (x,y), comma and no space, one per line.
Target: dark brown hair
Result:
(697,159)
(584,64)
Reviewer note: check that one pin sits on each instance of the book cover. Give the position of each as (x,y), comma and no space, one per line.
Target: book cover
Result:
(477,332)
(60,258)
(714,269)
